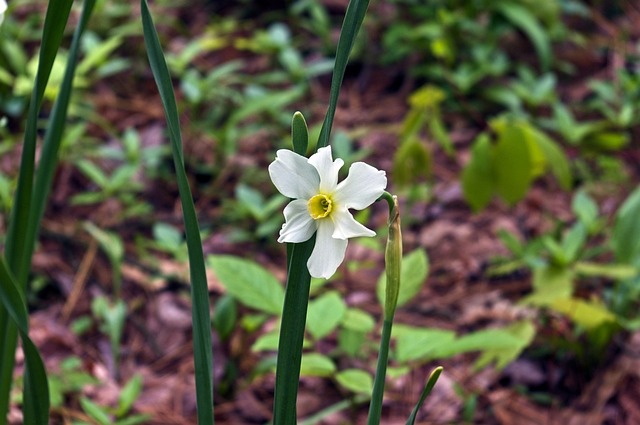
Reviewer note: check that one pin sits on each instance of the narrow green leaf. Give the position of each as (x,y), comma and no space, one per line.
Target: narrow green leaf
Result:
(36,387)
(353,18)
(199,293)
(527,22)
(249,283)
(421,343)
(626,231)
(585,313)
(610,271)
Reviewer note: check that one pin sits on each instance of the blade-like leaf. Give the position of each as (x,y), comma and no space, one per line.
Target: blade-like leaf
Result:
(431,382)
(199,293)
(352,22)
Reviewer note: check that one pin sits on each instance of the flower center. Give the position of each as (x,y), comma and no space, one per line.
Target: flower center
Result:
(319,206)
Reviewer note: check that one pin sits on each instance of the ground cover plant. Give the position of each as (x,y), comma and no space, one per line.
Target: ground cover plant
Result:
(507,131)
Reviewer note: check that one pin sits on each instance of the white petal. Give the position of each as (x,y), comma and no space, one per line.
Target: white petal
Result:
(328,252)
(327,168)
(345,226)
(293,176)
(361,188)
(298,226)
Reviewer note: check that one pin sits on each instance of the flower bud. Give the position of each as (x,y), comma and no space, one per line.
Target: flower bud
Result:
(393,261)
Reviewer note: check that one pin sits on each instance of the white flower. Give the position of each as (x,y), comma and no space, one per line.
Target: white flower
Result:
(3,8)
(321,204)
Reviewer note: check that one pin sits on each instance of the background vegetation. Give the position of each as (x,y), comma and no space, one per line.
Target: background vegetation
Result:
(508,129)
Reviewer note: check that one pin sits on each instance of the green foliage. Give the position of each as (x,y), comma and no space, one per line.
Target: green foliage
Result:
(249,283)
(508,166)
(415,268)
(121,413)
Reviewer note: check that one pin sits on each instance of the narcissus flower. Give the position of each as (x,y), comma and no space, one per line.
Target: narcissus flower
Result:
(321,204)
(3,8)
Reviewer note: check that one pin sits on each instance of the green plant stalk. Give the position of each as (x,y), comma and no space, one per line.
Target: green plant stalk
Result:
(393,265)
(294,311)
(294,316)
(54,25)
(200,316)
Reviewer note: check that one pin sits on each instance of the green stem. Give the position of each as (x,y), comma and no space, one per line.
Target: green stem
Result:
(375,408)
(294,317)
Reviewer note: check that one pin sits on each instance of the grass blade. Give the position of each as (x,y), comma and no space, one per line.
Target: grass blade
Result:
(353,18)
(199,293)
(54,25)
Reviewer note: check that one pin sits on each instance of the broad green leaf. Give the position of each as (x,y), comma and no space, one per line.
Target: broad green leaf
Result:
(421,343)
(415,269)
(358,320)
(325,314)
(549,285)
(584,313)
(225,316)
(411,162)
(248,282)
(315,364)
(478,179)
(355,380)
(267,342)
(626,231)
(512,164)
(522,333)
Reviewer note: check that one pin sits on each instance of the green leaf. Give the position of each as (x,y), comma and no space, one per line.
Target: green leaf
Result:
(610,271)
(478,179)
(355,380)
(528,23)
(554,156)
(431,382)
(421,343)
(266,342)
(128,395)
(414,272)
(95,411)
(201,320)
(315,364)
(411,162)
(225,316)
(325,314)
(512,162)
(358,320)
(585,208)
(626,231)
(522,334)
(549,285)
(584,313)
(248,282)
(356,10)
